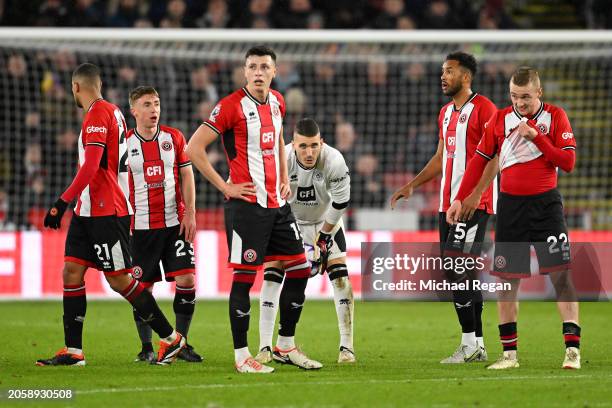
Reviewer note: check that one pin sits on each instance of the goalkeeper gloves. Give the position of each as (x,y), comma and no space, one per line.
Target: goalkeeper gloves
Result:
(53,219)
(323,244)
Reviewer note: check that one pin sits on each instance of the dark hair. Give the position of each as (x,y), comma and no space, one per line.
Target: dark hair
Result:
(87,71)
(465,60)
(524,75)
(141,91)
(307,127)
(261,51)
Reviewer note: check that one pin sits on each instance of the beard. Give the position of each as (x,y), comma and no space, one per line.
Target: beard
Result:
(452,90)
(77,101)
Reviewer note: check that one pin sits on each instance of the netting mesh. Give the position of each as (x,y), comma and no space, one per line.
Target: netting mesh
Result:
(377,103)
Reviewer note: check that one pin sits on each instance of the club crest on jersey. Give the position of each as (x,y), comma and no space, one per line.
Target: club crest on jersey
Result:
(500,262)
(137,272)
(250,255)
(215,112)
(318,175)
(275,111)
(462,118)
(167,146)
(543,128)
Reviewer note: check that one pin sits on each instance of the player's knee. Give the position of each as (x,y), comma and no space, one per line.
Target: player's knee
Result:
(118,283)
(187,280)
(336,271)
(73,274)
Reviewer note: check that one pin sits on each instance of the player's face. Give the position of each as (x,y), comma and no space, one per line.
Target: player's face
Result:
(307,149)
(146,111)
(259,72)
(525,99)
(452,77)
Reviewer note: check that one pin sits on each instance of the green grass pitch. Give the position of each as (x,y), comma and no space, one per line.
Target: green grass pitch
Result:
(398,347)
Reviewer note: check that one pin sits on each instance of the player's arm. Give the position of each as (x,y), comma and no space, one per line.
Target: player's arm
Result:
(432,169)
(188,223)
(561,153)
(285,187)
(93,155)
(196,151)
(472,201)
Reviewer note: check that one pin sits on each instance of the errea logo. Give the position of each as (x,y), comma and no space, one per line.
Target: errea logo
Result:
(95,129)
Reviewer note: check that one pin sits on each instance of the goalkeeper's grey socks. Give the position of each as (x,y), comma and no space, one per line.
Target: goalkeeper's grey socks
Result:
(343,301)
(268,305)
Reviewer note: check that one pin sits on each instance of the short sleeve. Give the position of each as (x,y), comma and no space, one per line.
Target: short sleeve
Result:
(96,126)
(181,150)
(220,119)
(487,147)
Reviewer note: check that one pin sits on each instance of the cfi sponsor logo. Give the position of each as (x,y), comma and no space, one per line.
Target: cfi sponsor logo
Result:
(167,146)
(250,255)
(543,128)
(137,272)
(95,129)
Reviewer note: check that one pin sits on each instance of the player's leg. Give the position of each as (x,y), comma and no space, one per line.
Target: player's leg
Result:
(146,252)
(553,251)
(286,245)
(268,307)
(248,229)
(465,239)
(178,261)
(78,256)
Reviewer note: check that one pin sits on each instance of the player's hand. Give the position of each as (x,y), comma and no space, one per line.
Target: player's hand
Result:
(452,214)
(53,219)
(242,191)
(526,131)
(322,247)
(188,226)
(404,192)
(285,190)
(469,206)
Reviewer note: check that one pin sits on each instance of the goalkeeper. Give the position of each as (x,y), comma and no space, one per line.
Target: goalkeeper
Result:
(320,192)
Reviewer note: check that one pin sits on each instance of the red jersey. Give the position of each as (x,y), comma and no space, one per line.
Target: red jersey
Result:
(460,131)
(251,131)
(107,193)
(521,160)
(155,188)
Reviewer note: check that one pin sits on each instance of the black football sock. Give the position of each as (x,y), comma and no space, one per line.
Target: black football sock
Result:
(464,306)
(144,331)
(240,308)
(571,334)
(143,301)
(184,306)
(478,306)
(75,306)
(290,304)
(508,336)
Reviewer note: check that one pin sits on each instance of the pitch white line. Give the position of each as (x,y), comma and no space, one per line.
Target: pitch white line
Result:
(311,383)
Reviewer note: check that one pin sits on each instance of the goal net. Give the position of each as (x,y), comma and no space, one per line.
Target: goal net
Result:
(376,97)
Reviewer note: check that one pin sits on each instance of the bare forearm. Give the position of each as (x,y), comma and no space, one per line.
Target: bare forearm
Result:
(282,156)
(188,189)
(432,169)
(208,171)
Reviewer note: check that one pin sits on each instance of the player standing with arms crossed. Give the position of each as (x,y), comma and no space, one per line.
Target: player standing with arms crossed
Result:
(461,126)
(98,235)
(532,140)
(258,221)
(162,194)
(320,194)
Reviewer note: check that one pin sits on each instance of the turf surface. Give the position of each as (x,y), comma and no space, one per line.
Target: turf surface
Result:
(398,347)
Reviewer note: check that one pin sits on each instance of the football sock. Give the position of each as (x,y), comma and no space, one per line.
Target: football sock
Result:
(184,306)
(268,305)
(508,336)
(241,354)
(142,300)
(240,307)
(469,339)
(291,303)
(478,306)
(464,306)
(144,330)
(571,334)
(73,350)
(171,338)
(75,306)
(285,342)
(480,341)
(343,301)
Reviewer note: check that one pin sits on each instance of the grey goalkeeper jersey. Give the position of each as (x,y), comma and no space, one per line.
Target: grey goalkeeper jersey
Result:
(313,190)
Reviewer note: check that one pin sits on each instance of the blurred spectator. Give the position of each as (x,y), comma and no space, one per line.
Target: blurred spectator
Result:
(63,161)
(52,13)
(391,12)
(258,13)
(316,21)
(367,187)
(439,16)
(296,15)
(216,15)
(599,15)
(4,206)
(286,76)
(296,102)
(124,13)
(176,16)
(492,16)
(87,13)
(345,13)
(322,89)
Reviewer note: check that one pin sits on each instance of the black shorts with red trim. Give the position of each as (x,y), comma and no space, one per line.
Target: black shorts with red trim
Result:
(100,242)
(464,237)
(525,221)
(165,246)
(256,235)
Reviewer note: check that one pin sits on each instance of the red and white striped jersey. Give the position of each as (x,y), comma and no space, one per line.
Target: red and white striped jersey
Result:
(520,159)
(251,131)
(107,193)
(461,131)
(155,187)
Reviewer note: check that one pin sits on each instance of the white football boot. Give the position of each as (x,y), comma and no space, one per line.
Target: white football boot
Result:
(296,357)
(572,358)
(506,361)
(251,366)
(464,354)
